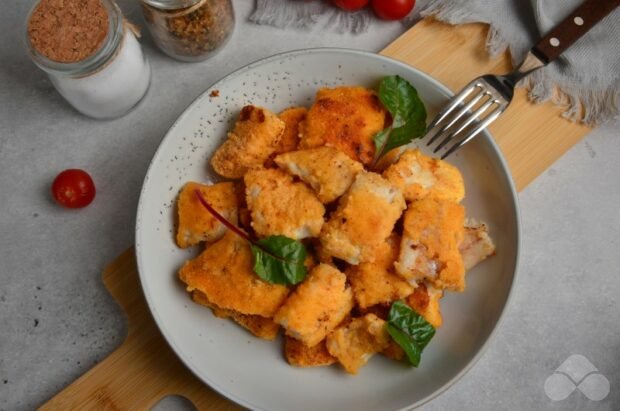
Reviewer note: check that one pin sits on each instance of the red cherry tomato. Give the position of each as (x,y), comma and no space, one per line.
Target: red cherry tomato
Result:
(73,188)
(392,9)
(350,5)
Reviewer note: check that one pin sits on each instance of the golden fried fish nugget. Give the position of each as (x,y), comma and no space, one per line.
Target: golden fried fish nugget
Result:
(317,306)
(292,118)
(376,282)
(261,327)
(432,233)
(425,301)
(224,273)
(196,224)
(346,118)
(365,218)
(300,355)
(281,206)
(354,344)
(255,137)
(328,171)
(420,176)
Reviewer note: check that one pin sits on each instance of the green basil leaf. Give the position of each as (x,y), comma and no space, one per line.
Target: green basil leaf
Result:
(279,260)
(403,135)
(401,99)
(381,139)
(409,330)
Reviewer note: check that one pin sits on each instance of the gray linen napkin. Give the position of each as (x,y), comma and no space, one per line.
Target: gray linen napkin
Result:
(586,80)
(305,14)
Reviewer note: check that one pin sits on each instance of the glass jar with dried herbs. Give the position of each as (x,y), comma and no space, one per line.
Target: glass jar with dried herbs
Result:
(189,30)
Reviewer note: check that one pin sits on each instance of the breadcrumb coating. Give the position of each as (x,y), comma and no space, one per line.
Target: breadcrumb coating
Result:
(376,282)
(364,219)
(196,224)
(280,206)
(255,137)
(292,118)
(300,355)
(354,344)
(432,233)
(346,118)
(261,327)
(317,306)
(224,274)
(425,301)
(420,176)
(328,171)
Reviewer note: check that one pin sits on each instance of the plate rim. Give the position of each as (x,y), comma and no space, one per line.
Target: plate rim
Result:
(141,203)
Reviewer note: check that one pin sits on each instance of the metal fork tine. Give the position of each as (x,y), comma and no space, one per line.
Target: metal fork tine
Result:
(467,122)
(457,117)
(465,109)
(488,120)
(453,104)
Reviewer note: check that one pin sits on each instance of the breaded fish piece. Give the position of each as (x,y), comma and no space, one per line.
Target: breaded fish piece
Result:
(254,138)
(300,355)
(380,310)
(328,171)
(317,306)
(425,301)
(394,351)
(354,344)
(477,245)
(376,282)
(292,118)
(261,327)
(314,245)
(364,219)
(346,118)
(196,224)
(224,273)
(420,176)
(280,206)
(432,233)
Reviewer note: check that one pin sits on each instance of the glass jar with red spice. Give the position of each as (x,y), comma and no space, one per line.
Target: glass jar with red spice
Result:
(189,30)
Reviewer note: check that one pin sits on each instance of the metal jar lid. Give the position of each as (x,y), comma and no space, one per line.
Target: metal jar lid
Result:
(170,4)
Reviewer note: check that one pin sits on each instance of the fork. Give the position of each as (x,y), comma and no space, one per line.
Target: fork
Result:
(490,95)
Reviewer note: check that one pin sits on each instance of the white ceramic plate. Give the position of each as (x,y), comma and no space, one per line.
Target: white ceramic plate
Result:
(253,372)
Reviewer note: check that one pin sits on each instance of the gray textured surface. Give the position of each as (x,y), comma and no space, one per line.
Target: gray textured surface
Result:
(57,320)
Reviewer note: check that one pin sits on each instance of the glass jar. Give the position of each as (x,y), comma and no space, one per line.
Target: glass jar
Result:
(107,83)
(189,30)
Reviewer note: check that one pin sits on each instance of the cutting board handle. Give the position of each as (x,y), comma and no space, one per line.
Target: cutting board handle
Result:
(144,369)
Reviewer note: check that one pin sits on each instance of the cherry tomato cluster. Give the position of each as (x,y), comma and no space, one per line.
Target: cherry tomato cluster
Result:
(385,9)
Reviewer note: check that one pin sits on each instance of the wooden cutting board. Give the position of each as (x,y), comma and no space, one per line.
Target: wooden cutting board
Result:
(144,369)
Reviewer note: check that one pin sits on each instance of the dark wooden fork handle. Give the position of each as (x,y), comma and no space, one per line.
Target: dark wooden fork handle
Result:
(578,23)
